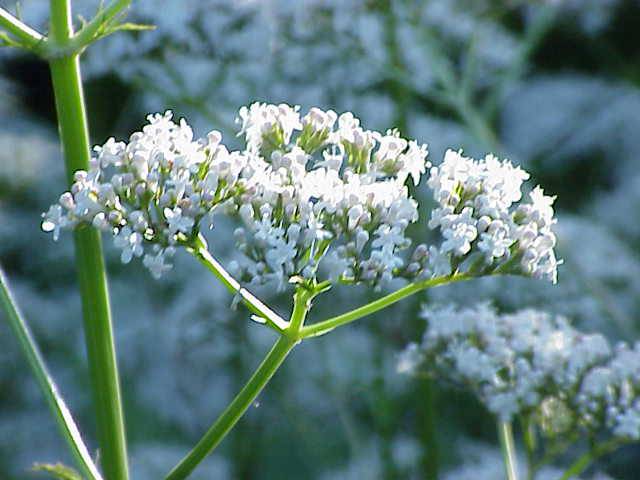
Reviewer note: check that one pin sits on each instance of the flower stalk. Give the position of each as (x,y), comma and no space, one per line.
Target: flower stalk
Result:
(263,313)
(59,409)
(505,432)
(291,333)
(326,326)
(582,463)
(249,392)
(103,371)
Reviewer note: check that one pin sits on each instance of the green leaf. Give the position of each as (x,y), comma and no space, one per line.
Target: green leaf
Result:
(110,27)
(7,41)
(136,27)
(58,470)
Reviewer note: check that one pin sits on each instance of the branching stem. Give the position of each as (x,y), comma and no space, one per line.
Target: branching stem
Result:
(103,371)
(24,33)
(271,318)
(248,394)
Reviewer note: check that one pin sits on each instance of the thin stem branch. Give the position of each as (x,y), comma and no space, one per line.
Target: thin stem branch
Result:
(247,395)
(103,371)
(530,443)
(588,458)
(507,444)
(326,326)
(56,403)
(94,29)
(20,30)
(536,32)
(554,451)
(253,303)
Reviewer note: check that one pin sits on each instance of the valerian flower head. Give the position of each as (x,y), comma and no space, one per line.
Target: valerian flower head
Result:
(484,224)
(530,362)
(324,197)
(510,361)
(151,193)
(320,198)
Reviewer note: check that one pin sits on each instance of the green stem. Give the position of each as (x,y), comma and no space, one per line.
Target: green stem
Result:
(326,326)
(249,299)
(585,460)
(247,395)
(428,416)
(556,449)
(398,90)
(18,29)
(507,444)
(234,411)
(92,30)
(56,403)
(536,32)
(529,435)
(103,371)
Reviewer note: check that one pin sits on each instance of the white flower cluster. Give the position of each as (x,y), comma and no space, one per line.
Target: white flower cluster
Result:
(325,195)
(610,393)
(348,204)
(483,224)
(532,362)
(510,361)
(318,195)
(482,461)
(152,192)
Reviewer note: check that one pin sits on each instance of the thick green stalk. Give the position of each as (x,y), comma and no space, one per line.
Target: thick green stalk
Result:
(59,409)
(247,395)
(74,136)
(507,444)
(326,326)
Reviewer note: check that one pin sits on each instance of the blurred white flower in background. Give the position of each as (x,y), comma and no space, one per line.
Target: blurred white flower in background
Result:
(486,462)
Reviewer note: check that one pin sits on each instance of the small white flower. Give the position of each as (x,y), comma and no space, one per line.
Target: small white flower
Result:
(110,153)
(320,120)
(53,220)
(262,120)
(439,262)
(156,264)
(130,243)
(177,221)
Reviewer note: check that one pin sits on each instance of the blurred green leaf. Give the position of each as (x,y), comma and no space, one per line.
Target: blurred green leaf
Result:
(58,470)
(131,27)
(7,41)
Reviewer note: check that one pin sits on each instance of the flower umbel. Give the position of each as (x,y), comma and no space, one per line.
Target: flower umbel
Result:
(485,226)
(530,362)
(151,193)
(319,198)
(323,200)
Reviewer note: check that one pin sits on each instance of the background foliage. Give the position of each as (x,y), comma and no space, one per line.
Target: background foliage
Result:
(553,85)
